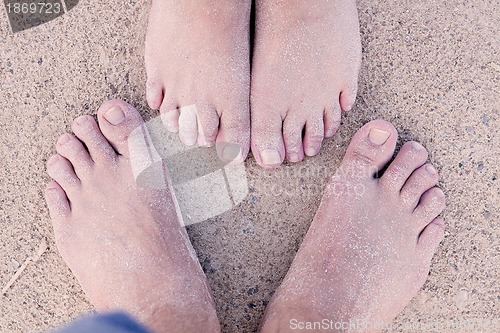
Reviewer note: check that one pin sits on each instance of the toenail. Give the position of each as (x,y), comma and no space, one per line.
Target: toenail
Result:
(439,193)
(310,151)
(417,146)
(330,132)
(270,156)
(293,157)
(378,137)
(63,139)
(53,160)
(430,169)
(114,115)
(81,120)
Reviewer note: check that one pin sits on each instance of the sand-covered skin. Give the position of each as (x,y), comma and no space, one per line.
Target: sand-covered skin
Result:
(305,66)
(429,69)
(104,221)
(197,62)
(369,247)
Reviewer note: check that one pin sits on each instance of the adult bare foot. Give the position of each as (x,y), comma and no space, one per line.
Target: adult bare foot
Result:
(305,67)
(369,247)
(198,67)
(123,243)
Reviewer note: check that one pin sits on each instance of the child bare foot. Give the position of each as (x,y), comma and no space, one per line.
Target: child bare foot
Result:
(305,67)
(369,247)
(198,68)
(123,243)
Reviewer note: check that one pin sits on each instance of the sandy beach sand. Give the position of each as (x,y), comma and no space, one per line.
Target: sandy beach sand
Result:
(432,68)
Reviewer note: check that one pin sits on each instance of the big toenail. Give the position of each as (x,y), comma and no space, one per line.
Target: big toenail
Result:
(417,146)
(378,137)
(81,120)
(270,156)
(63,139)
(430,169)
(114,115)
(439,193)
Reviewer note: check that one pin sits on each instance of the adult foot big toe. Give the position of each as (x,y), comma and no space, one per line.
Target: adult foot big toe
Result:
(268,147)
(370,149)
(117,120)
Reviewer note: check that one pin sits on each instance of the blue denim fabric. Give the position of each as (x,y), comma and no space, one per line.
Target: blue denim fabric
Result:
(115,322)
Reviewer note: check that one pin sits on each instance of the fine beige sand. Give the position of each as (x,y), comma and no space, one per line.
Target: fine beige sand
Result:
(432,68)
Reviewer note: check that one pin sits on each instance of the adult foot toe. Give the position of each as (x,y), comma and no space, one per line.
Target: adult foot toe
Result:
(117,120)
(170,120)
(69,147)
(411,156)
(154,94)
(431,204)
(370,149)
(420,181)
(188,125)
(314,134)
(430,238)
(348,96)
(332,118)
(267,140)
(208,125)
(61,170)
(292,136)
(87,131)
(234,130)
(57,202)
